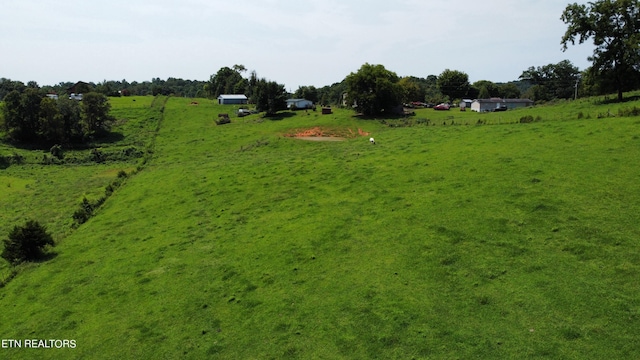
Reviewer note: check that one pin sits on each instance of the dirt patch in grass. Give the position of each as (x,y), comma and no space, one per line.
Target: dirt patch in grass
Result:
(320,138)
(318,133)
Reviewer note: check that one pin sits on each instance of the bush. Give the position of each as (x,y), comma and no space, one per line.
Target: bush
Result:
(88,208)
(7,160)
(56,151)
(529,119)
(97,155)
(223,120)
(26,243)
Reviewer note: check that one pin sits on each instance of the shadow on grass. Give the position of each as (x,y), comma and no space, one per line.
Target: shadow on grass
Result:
(384,116)
(614,100)
(15,269)
(45,257)
(104,138)
(280,116)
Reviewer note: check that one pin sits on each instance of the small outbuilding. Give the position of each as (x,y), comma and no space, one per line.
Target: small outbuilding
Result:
(466,103)
(235,99)
(498,104)
(299,104)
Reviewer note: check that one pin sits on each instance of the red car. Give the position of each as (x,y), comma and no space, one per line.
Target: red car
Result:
(442,106)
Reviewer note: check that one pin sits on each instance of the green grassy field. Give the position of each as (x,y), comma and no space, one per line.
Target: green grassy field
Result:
(501,240)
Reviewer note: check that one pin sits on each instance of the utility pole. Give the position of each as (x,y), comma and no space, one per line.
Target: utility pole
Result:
(576,87)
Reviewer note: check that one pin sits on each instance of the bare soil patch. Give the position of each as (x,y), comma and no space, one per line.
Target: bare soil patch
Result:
(325,134)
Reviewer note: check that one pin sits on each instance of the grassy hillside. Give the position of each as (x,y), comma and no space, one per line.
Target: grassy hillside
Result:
(503,240)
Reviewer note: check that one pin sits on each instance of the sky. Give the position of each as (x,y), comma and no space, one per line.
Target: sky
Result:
(293,42)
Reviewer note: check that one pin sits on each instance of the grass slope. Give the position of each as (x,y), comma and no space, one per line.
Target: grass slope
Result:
(467,241)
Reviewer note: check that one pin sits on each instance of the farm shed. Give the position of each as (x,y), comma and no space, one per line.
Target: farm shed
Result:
(466,103)
(232,99)
(299,104)
(493,104)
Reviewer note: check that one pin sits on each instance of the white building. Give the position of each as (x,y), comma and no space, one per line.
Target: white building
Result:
(299,104)
(498,104)
(234,99)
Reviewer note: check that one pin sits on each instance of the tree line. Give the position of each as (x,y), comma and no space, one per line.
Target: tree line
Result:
(157,86)
(30,117)
(614,26)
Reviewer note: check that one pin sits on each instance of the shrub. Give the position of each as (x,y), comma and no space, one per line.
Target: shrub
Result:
(87,208)
(97,155)
(84,212)
(56,151)
(223,120)
(526,119)
(635,111)
(130,152)
(46,160)
(26,243)
(14,158)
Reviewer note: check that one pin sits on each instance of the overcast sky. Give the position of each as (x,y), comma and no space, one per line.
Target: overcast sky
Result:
(293,42)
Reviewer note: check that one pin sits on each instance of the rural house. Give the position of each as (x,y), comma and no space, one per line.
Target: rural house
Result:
(79,88)
(498,104)
(299,104)
(232,99)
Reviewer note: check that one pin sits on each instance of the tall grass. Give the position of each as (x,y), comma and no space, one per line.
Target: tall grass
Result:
(500,240)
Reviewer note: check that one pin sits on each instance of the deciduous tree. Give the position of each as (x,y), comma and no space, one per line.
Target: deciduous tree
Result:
(51,123)
(552,81)
(453,83)
(614,26)
(269,96)
(373,89)
(307,92)
(227,81)
(95,114)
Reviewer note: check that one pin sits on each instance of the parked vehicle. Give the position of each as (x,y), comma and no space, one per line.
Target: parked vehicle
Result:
(243,112)
(442,106)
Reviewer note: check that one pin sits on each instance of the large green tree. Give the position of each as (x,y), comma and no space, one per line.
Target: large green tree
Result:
(8,85)
(95,114)
(307,92)
(484,89)
(22,114)
(70,116)
(227,81)
(432,94)
(269,96)
(552,81)
(332,94)
(453,83)
(614,26)
(509,91)
(373,90)
(412,89)
(51,122)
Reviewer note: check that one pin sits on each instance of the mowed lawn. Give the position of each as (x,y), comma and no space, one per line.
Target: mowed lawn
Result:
(465,241)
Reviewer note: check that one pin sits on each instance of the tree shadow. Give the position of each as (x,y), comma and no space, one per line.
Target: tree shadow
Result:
(280,115)
(109,138)
(384,116)
(44,257)
(614,100)
(102,138)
